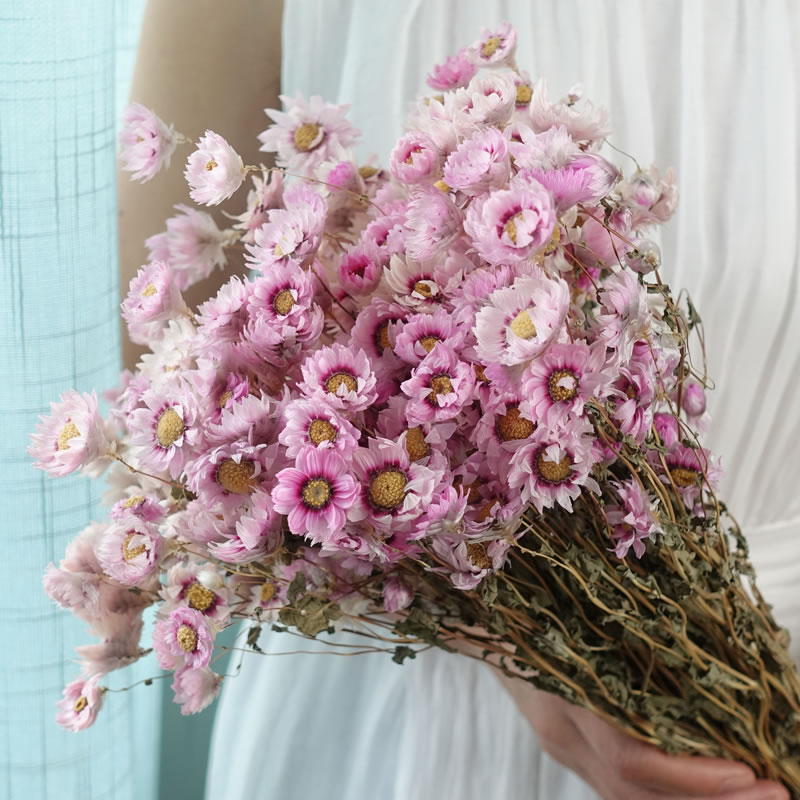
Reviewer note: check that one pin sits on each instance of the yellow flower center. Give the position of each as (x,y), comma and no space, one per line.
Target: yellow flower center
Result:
(128,552)
(283,302)
(80,704)
(210,164)
(133,501)
(267,591)
(198,597)
(476,553)
(366,172)
(416,446)
(320,430)
(187,638)
(307,137)
(69,431)
(440,384)
(524,94)
(341,379)
(553,471)
(224,397)
(490,46)
(442,186)
(382,335)
(236,478)
(149,290)
(169,428)
(412,153)
(684,477)
(422,288)
(510,228)
(522,325)
(429,342)
(387,488)
(511,426)
(563,391)
(317,492)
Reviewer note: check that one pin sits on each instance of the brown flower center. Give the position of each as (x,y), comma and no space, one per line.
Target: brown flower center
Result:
(480,373)
(382,335)
(490,46)
(236,478)
(476,553)
(485,510)
(341,379)
(524,94)
(210,164)
(522,325)
(169,428)
(69,431)
(387,488)
(128,552)
(80,704)
(440,384)
(317,493)
(416,446)
(422,288)
(563,385)
(149,290)
(553,471)
(428,342)
(307,137)
(320,430)
(267,591)
(684,477)
(198,597)
(187,638)
(472,490)
(283,302)
(224,397)
(512,426)
(366,171)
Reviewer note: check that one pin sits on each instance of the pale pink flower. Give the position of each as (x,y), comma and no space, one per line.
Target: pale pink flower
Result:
(340,377)
(667,428)
(445,514)
(505,424)
(636,393)
(361,267)
(188,584)
(265,195)
(625,317)
(469,562)
(192,245)
(599,246)
(480,163)
(645,257)
(315,494)
(130,550)
(73,436)
(651,197)
(374,333)
(153,295)
(119,646)
(221,319)
(495,47)
(214,171)
(412,283)
(146,142)
(415,159)
(147,508)
(488,100)
(422,332)
(185,638)
(693,399)
(439,387)
(584,124)
(307,133)
(312,423)
(689,470)
(587,178)
(82,699)
(511,224)
(254,417)
(521,321)
(195,689)
(259,524)
(634,520)
(455,72)
(397,594)
(433,222)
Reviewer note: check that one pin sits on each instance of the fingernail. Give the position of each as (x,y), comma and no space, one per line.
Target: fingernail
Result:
(741,780)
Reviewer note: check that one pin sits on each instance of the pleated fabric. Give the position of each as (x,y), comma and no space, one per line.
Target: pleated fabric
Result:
(710,88)
(61,85)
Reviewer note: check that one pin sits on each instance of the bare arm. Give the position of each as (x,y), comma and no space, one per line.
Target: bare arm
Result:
(201,64)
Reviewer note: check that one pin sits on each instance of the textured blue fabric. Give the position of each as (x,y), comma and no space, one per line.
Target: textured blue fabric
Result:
(64,71)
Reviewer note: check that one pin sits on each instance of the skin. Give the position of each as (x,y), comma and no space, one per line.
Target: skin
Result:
(200,68)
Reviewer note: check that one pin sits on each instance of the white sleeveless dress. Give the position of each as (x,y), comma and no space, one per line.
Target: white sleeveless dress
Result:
(710,88)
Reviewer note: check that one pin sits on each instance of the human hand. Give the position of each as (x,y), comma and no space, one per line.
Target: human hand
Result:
(620,767)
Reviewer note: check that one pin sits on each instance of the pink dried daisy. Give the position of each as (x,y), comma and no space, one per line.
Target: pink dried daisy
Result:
(422,332)
(153,295)
(521,321)
(308,133)
(221,319)
(265,195)
(455,72)
(214,171)
(439,387)
(397,594)
(374,332)
(689,471)
(625,317)
(119,645)
(185,638)
(188,584)
(412,283)
(554,466)
(340,377)
(480,163)
(415,159)
(285,298)
(433,222)
(73,436)
(146,142)
(488,100)
(309,423)
(192,245)
(254,418)
(469,562)
(636,394)
(83,698)
(167,430)
(361,268)
(651,197)
(195,689)
(505,424)
(393,492)
(147,508)
(587,178)
(315,494)
(668,429)
(130,550)
(634,519)
(259,525)
(511,224)
(495,47)
(583,122)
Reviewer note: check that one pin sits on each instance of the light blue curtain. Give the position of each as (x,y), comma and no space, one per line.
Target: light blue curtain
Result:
(64,72)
